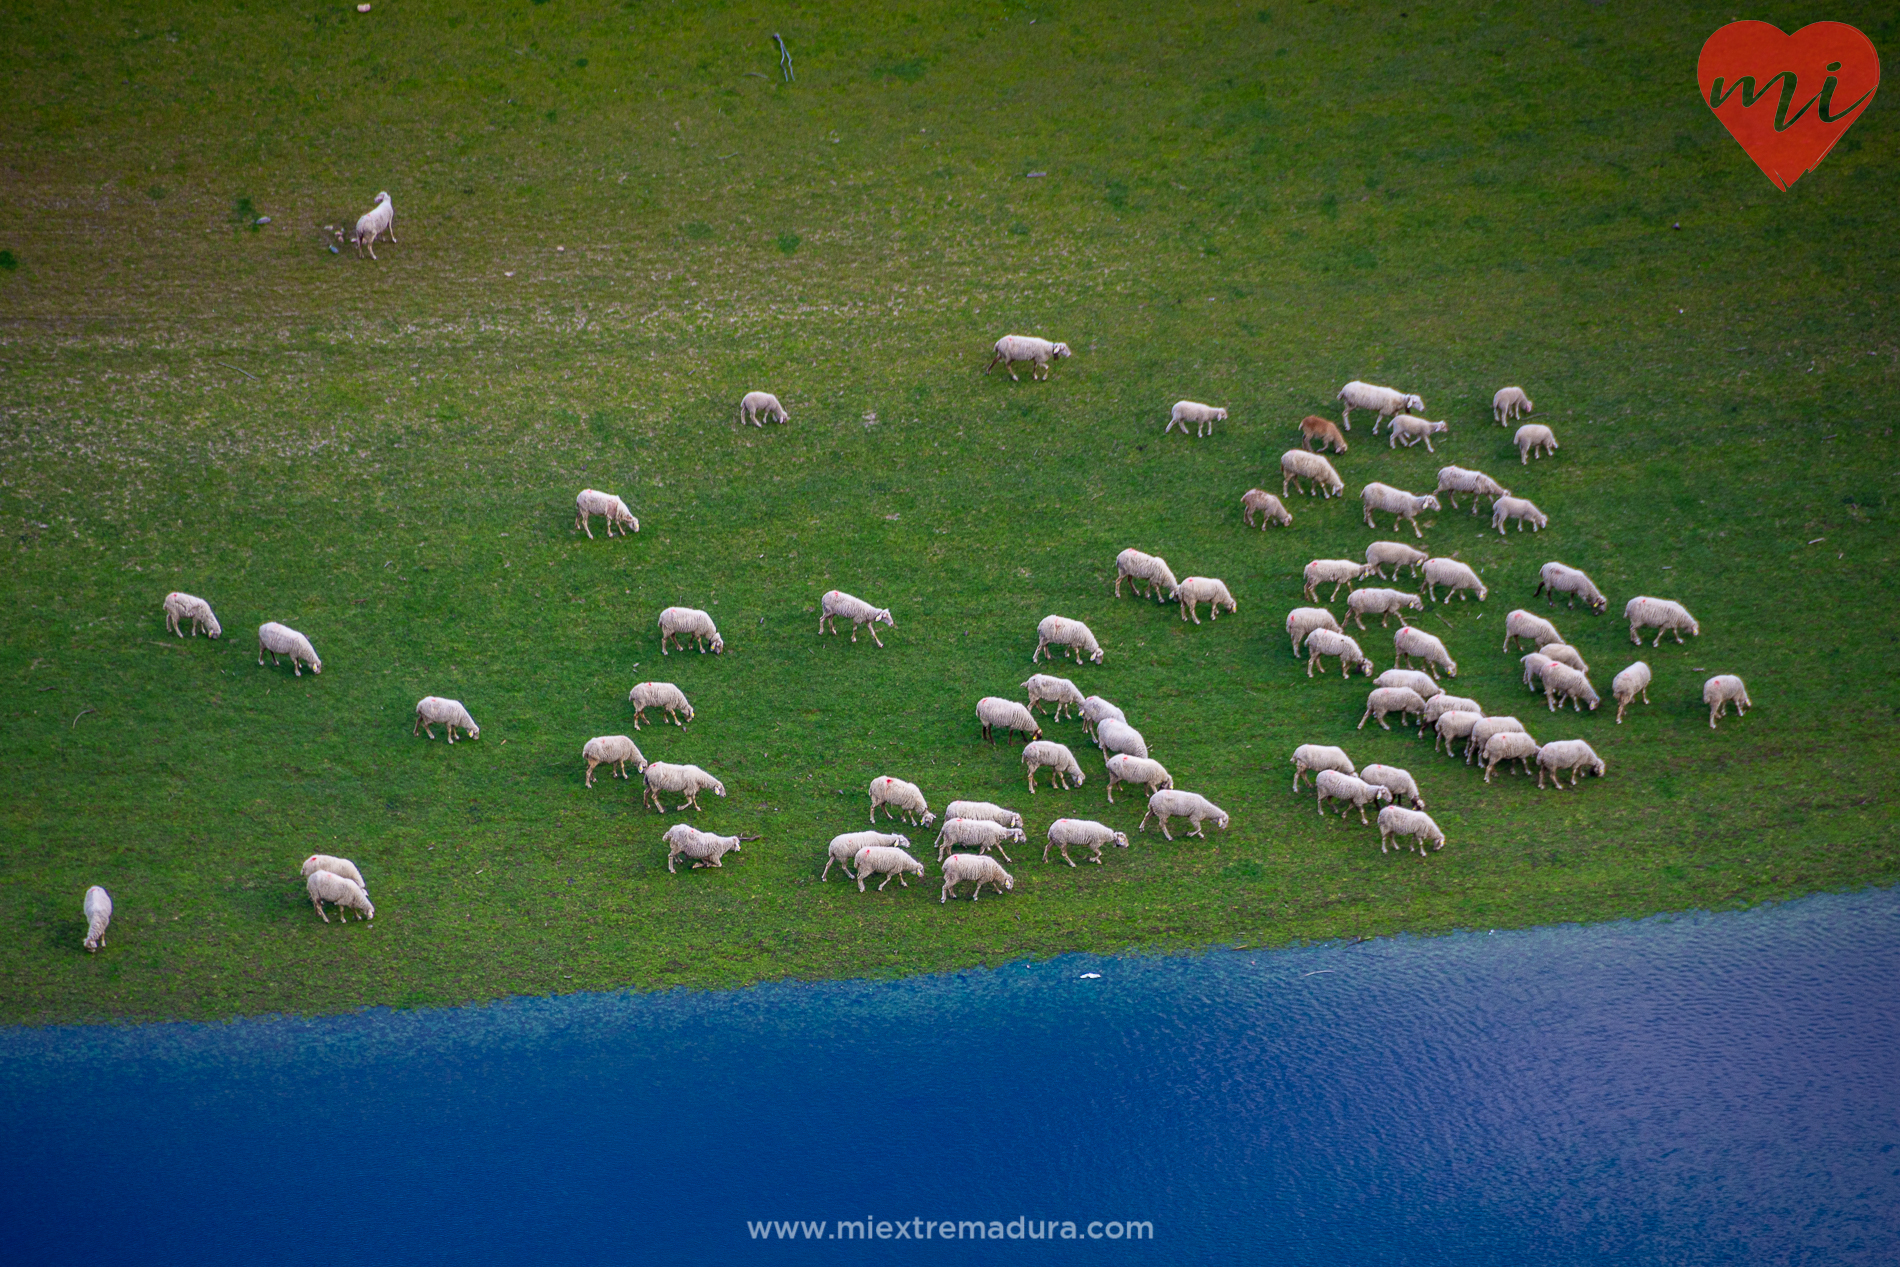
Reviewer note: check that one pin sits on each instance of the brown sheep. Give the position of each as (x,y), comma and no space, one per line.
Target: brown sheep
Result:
(1313,427)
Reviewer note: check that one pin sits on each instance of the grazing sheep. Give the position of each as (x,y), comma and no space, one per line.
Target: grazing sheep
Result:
(1126,767)
(1173,803)
(984,810)
(1510,403)
(1095,710)
(1627,685)
(843,848)
(1195,590)
(758,407)
(1722,690)
(1316,756)
(1451,727)
(345,895)
(1534,665)
(1402,506)
(1427,687)
(378,221)
(1338,573)
(1012,348)
(283,640)
(335,866)
(1565,685)
(887,862)
(1534,439)
(1396,822)
(680,623)
(687,780)
(1271,509)
(180,607)
(1573,755)
(1453,480)
(1062,632)
(433,711)
(1487,729)
(1083,833)
(1202,416)
(1437,706)
(1659,614)
(703,847)
(1313,427)
(1506,747)
(908,797)
(1300,465)
(1531,628)
(1407,430)
(1304,620)
(1334,786)
(666,697)
(1113,736)
(979,834)
(1396,555)
(591,502)
(1139,570)
(1455,576)
(1324,642)
(1058,758)
(993,711)
(97,908)
(1521,509)
(1043,687)
(612,750)
(1564,653)
(1398,782)
(1383,603)
(1390,699)
(1381,400)
(972,866)
(1556,578)
(837,603)
(1413,643)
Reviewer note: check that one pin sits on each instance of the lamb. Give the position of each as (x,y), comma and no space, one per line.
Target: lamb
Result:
(1202,416)
(993,711)
(97,908)
(1324,642)
(1453,480)
(335,866)
(1521,509)
(1509,746)
(1332,785)
(1509,403)
(180,607)
(378,221)
(1534,439)
(1399,783)
(1042,687)
(1195,590)
(1627,685)
(1563,653)
(612,750)
(1270,507)
(664,696)
(1139,570)
(1565,685)
(1381,400)
(1173,803)
(1412,643)
(1396,554)
(1095,710)
(283,640)
(1383,603)
(1396,822)
(433,711)
(837,603)
(1083,833)
(1313,427)
(1126,767)
(1659,614)
(1534,665)
(1437,706)
(1012,348)
(759,407)
(1058,758)
(1407,430)
(1428,689)
(344,894)
(907,797)
(1338,573)
(1401,505)
(1573,755)
(1304,620)
(1556,578)
(843,848)
(703,847)
(984,810)
(1113,736)
(973,866)
(1390,699)
(1456,577)
(1451,727)
(1532,629)
(1722,690)
(1314,756)
(677,624)
(887,862)
(687,780)
(591,502)
(1300,465)
(976,833)
(1482,734)
(1062,632)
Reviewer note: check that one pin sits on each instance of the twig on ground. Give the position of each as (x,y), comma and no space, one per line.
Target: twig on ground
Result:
(82,713)
(254,378)
(784,57)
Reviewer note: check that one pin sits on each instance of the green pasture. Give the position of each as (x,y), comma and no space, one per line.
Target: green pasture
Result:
(613,220)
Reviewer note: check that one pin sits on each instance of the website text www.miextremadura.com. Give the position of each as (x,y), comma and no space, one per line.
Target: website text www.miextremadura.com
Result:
(922,1229)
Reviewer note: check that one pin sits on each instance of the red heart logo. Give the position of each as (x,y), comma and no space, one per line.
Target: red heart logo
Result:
(1788,98)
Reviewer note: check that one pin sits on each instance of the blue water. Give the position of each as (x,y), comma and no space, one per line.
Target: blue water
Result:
(1712,1089)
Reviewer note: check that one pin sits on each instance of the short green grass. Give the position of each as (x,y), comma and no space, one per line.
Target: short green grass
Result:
(615,219)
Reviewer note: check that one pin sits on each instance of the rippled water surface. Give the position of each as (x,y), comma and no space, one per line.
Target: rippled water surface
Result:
(1711,1089)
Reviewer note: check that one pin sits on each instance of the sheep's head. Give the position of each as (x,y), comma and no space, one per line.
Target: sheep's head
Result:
(1220,415)
(884,617)
(1121,839)
(474,731)
(1365,667)
(1381,794)
(1451,668)
(1221,820)
(1482,591)
(1062,349)
(1414,404)
(686,710)
(316,665)
(718,788)
(1428,502)
(1075,772)
(1597,767)
(212,627)
(718,648)
(1096,657)
(928,819)
(381,198)
(1412,602)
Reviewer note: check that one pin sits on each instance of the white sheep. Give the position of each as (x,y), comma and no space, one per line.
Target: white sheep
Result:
(1573,755)
(665,696)
(687,780)
(979,834)
(1113,736)
(1557,578)
(1532,628)
(1377,498)
(1659,614)
(1316,756)
(1083,833)
(1510,403)
(1270,508)
(1487,729)
(1455,576)
(1390,699)
(1506,747)
(1451,727)
(1338,573)
(1564,653)
(591,501)
(1415,644)
(1126,767)
(1174,803)
(1304,620)
(283,640)
(703,847)
(1522,509)
(1627,685)
(1060,631)
(677,624)
(1722,690)
(906,797)
(1324,642)
(887,862)
(1139,570)
(979,867)
(758,408)
(1427,687)
(844,847)
(1534,665)
(1394,554)
(180,607)
(335,866)
(1383,401)
(1437,706)
(1565,685)
(1407,430)
(1046,688)
(433,711)
(1202,416)
(837,603)
(612,750)
(1383,603)
(1012,348)
(1094,710)
(1304,466)
(1398,782)
(1453,480)
(1334,786)
(993,711)
(1534,439)
(1396,822)
(1058,758)
(97,908)
(344,894)
(378,221)
(985,810)
(1195,590)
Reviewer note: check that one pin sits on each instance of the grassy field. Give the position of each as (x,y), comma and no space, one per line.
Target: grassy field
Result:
(614,220)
